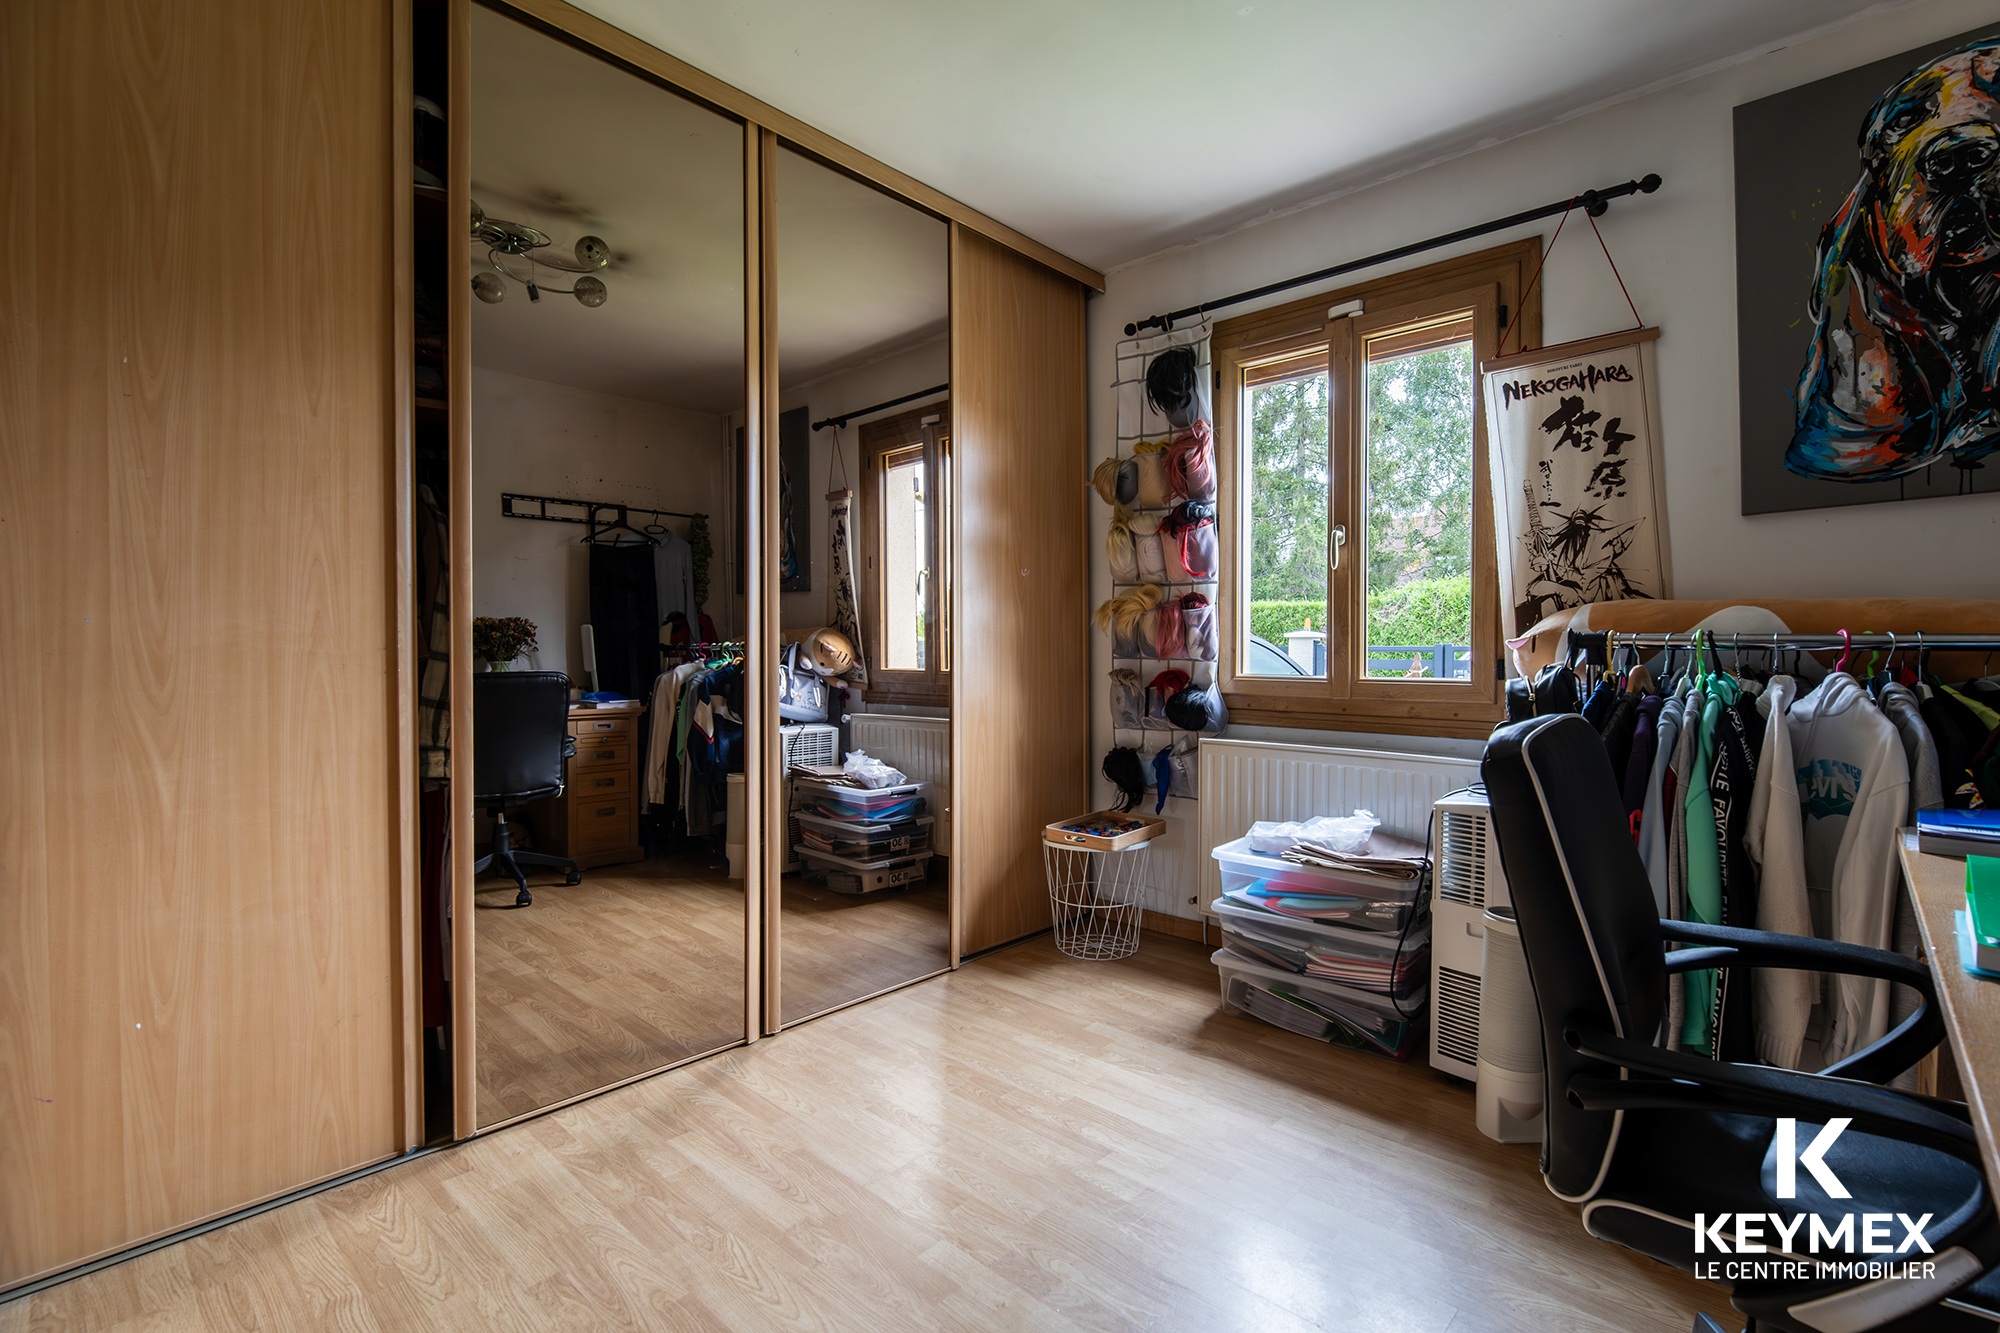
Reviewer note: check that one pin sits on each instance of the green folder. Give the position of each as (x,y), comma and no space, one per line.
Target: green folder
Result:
(1982,906)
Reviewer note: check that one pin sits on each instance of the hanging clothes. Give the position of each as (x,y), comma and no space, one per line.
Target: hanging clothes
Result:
(1639,762)
(623,616)
(673,580)
(1988,718)
(661,770)
(1955,732)
(1596,709)
(1704,860)
(1673,792)
(1775,839)
(1618,727)
(1899,705)
(1854,793)
(1654,821)
(1732,783)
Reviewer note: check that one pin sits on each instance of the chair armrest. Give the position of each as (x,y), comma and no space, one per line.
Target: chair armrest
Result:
(1730,946)
(569,747)
(1698,1083)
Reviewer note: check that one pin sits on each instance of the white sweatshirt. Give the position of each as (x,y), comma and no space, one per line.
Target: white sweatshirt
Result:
(1853,791)
(1775,838)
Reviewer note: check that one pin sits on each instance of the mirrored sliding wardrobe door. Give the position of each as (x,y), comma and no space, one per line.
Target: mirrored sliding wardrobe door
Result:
(608,728)
(865,565)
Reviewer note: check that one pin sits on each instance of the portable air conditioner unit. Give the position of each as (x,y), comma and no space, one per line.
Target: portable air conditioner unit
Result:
(804,743)
(1466,881)
(1466,884)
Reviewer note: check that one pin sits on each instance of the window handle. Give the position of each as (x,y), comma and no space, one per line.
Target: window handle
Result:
(1336,545)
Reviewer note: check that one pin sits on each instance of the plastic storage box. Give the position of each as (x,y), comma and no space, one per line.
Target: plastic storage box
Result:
(1315,1009)
(1382,962)
(1261,880)
(864,839)
(847,875)
(875,804)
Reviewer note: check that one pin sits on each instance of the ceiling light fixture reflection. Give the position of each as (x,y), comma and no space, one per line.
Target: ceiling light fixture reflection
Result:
(515,241)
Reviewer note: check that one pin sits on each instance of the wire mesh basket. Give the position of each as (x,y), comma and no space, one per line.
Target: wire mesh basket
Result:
(1096,900)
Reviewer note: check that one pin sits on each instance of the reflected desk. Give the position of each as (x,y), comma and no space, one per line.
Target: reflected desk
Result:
(595,822)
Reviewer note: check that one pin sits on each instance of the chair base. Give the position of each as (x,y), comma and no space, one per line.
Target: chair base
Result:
(507,859)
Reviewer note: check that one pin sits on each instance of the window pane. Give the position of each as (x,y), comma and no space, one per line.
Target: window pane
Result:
(1418,539)
(1285,564)
(905,538)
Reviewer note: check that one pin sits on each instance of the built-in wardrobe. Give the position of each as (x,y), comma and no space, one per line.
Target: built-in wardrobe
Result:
(215,989)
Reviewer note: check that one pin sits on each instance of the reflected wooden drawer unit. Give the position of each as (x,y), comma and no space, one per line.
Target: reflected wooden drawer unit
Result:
(595,822)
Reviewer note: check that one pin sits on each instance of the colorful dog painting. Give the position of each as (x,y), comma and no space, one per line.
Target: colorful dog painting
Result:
(1904,366)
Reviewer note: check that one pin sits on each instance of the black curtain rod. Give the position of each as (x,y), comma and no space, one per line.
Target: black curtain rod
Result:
(842,421)
(1596,642)
(1594,202)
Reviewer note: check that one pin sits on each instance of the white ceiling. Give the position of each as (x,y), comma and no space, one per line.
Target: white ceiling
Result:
(572,146)
(1113,130)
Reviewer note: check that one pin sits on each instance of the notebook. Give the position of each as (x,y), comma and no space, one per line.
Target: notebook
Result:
(1982,910)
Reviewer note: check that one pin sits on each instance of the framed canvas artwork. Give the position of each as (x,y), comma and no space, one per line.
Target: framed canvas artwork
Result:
(1868,282)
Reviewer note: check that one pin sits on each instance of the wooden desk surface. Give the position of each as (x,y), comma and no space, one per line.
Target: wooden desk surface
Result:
(1971,1006)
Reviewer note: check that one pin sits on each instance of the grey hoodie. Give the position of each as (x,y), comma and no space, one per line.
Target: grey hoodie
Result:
(1854,791)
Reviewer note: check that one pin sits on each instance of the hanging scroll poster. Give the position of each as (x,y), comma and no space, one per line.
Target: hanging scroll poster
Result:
(1578,500)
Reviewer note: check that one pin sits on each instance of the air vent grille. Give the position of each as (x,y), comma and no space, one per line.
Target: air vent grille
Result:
(1457,1033)
(1462,858)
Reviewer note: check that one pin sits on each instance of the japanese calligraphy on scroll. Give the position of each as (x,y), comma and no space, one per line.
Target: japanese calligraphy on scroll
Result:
(1578,500)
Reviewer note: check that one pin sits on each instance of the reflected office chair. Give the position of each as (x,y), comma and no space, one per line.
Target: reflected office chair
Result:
(1643,1138)
(520,738)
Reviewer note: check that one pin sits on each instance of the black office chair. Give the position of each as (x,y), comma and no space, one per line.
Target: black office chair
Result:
(520,738)
(1645,1138)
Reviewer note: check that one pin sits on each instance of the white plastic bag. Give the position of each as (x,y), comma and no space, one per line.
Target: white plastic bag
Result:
(871,772)
(1343,833)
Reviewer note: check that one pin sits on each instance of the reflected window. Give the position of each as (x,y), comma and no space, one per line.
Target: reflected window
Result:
(905,528)
(905,539)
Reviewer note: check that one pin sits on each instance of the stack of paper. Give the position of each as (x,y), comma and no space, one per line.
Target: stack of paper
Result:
(1383,856)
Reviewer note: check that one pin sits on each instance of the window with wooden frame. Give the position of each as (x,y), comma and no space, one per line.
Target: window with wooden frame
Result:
(905,584)
(1359,586)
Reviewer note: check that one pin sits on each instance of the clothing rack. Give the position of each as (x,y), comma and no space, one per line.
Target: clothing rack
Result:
(697,648)
(842,420)
(589,510)
(1594,202)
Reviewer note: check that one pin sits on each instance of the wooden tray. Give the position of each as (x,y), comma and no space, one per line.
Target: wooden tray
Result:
(1061,835)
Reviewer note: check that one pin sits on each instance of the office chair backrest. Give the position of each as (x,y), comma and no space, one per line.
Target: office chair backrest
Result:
(519,720)
(1589,925)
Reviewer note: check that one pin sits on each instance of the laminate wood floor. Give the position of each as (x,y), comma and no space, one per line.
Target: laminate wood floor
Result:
(641,966)
(637,967)
(1028,1143)
(840,947)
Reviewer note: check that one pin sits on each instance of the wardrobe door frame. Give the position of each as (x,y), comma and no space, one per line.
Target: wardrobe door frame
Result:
(760,444)
(763,126)
(772,856)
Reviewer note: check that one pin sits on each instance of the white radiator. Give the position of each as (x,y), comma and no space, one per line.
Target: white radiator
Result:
(921,748)
(1245,781)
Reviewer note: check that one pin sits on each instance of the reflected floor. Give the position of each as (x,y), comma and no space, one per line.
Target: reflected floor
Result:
(839,947)
(637,967)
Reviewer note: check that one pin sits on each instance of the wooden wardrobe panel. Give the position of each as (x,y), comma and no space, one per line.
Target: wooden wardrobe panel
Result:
(198,854)
(1021,664)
